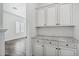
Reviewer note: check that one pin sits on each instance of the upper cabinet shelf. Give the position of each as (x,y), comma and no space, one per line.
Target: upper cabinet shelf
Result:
(55,14)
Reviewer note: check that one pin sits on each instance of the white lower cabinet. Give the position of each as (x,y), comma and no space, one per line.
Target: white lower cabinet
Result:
(37,48)
(55,14)
(51,48)
(50,51)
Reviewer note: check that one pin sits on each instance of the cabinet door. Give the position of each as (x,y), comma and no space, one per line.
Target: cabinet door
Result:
(50,49)
(37,48)
(52,15)
(66,52)
(40,17)
(65,14)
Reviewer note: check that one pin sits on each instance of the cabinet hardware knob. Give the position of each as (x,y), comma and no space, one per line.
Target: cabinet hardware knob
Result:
(56,48)
(49,42)
(66,44)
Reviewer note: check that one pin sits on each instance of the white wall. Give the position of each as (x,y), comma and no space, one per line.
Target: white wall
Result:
(76,21)
(9,22)
(11,16)
(1,15)
(30,16)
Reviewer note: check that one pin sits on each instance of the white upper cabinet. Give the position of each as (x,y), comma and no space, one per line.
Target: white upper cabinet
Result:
(51,15)
(40,17)
(65,14)
(55,14)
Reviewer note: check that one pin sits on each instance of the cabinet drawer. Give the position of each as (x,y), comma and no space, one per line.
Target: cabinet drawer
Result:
(67,52)
(52,43)
(67,44)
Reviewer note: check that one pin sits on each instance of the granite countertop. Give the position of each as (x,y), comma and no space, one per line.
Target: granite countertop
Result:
(58,38)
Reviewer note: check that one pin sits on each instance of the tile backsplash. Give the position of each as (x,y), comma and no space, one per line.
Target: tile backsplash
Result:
(56,31)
